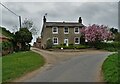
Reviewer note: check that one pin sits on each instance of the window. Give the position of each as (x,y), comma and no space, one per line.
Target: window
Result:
(55,40)
(76,30)
(55,30)
(66,30)
(76,40)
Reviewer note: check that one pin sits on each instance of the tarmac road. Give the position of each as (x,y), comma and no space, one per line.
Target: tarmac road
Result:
(83,68)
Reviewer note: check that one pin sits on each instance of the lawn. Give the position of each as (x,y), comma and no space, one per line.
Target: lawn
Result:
(111,69)
(0,69)
(18,64)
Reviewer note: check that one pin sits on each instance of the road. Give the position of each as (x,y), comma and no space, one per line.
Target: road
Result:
(83,68)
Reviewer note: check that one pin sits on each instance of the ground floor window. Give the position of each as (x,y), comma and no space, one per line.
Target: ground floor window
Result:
(55,40)
(76,40)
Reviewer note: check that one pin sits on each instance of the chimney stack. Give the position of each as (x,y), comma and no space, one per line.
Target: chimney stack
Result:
(44,19)
(80,20)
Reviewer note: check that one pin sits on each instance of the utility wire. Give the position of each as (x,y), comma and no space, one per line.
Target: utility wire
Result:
(13,13)
(9,10)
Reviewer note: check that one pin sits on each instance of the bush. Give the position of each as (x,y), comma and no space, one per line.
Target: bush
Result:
(49,43)
(71,46)
(56,47)
(6,48)
(108,46)
(6,45)
(81,46)
(0,47)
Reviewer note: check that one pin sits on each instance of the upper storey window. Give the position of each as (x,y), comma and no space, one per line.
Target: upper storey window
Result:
(66,30)
(76,30)
(55,30)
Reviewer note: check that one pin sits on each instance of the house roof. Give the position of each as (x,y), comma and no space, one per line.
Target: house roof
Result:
(64,24)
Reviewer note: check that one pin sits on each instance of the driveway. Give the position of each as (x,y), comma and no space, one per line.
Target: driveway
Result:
(68,66)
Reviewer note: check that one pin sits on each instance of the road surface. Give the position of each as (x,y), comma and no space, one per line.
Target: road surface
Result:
(83,68)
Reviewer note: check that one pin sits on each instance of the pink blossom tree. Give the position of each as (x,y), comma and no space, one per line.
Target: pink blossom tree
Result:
(96,33)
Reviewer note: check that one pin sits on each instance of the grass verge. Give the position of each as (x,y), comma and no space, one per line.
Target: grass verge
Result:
(18,64)
(111,69)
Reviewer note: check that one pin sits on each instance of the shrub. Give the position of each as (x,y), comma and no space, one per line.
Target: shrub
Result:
(108,46)
(6,45)
(81,46)
(71,46)
(0,46)
(49,43)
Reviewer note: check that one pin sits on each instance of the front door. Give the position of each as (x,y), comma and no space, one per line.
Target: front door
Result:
(66,41)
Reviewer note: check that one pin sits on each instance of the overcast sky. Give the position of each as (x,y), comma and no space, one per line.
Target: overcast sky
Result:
(91,12)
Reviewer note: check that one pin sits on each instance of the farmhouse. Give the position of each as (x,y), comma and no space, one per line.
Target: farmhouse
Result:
(61,32)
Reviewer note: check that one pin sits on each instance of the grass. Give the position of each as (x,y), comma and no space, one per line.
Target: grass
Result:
(111,69)
(0,69)
(18,64)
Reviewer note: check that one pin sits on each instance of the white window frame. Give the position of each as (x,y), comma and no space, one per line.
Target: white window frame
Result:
(78,30)
(57,40)
(56,30)
(78,40)
(66,32)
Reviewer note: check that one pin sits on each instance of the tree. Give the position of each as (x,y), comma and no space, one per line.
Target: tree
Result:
(114,30)
(24,37)
(30,26)
(96,33)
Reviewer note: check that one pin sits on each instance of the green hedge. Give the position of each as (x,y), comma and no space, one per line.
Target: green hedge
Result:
(6,45)
(0,46)
(71,46)
(108,46)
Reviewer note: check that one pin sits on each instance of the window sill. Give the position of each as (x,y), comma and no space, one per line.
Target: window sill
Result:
(66,33)
(55,43)
(55,33)
(76,33)
(77,43)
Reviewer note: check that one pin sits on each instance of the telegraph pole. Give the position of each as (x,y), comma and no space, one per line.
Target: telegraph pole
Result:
(119,26)
(20,21)
(13,13)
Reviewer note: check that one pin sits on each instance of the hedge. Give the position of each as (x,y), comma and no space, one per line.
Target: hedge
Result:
(114,46)
(6,47)
(71,46)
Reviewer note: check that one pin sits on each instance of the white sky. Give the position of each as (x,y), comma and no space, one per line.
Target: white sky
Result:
(92,12)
